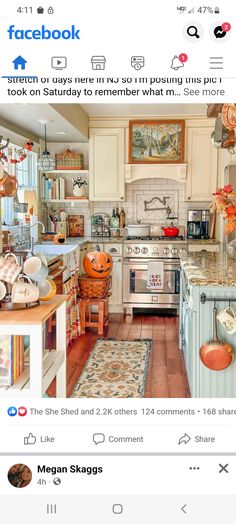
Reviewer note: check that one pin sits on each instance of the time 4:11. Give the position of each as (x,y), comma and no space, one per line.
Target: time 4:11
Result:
(25,10)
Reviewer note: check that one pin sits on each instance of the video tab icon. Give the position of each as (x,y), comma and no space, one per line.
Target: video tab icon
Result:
(59,62)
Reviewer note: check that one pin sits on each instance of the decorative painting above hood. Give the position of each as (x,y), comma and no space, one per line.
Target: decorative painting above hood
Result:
(177,172)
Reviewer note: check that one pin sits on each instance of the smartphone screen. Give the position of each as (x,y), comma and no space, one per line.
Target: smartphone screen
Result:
(117,262)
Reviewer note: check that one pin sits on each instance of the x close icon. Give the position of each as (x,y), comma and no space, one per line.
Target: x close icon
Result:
(223,469)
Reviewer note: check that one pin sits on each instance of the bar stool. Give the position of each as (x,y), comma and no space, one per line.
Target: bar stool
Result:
(98,319)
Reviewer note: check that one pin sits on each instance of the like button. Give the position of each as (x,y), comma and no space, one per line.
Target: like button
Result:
(30,440)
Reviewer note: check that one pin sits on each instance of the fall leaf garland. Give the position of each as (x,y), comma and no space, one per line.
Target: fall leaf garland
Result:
(224,203)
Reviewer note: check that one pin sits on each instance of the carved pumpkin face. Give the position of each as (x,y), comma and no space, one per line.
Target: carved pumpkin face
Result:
(98,264)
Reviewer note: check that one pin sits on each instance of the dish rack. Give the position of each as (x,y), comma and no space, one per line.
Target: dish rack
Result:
(100,225)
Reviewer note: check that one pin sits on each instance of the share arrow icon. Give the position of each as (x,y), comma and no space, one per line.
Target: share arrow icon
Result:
(185,439)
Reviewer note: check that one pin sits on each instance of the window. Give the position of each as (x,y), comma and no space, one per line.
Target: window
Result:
(26,174)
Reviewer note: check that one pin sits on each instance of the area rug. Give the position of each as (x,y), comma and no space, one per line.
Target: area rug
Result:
(115,369)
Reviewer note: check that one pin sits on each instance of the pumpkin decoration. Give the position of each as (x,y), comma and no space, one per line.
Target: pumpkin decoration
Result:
(98,264)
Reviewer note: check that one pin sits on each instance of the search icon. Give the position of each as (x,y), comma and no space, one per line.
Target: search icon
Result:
(192,31)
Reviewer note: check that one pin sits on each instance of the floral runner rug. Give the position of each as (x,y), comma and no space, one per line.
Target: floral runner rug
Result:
(115,369)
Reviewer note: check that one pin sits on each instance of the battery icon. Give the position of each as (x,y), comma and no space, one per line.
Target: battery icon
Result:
(217,10)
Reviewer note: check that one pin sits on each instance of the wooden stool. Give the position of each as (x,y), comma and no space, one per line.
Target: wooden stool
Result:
(91,319)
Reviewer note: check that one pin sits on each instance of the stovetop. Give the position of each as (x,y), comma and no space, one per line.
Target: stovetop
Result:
(157,238)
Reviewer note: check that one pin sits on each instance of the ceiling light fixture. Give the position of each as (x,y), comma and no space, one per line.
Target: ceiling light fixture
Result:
(46,162)
(61,132)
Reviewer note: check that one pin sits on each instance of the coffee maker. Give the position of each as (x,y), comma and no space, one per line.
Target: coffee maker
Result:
(205,224)
(198,225)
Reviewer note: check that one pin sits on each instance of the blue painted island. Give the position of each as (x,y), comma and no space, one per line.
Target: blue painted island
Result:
(206,279)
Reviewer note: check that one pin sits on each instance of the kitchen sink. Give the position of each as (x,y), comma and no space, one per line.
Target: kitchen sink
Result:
(53,249)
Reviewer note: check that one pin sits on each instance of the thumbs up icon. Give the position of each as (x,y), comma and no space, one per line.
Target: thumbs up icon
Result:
(30,440)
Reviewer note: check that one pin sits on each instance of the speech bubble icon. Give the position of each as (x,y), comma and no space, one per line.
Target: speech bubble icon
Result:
(219,32)
(98,438)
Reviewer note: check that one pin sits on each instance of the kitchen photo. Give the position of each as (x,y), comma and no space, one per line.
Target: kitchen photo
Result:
(118,250)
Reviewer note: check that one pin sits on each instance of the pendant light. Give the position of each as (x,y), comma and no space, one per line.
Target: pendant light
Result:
(46,162)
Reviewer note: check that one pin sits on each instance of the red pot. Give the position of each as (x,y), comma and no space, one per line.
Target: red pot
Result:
(170,231)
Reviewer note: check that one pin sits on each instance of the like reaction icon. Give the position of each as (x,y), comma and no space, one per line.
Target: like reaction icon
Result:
(30,440)
(12,411)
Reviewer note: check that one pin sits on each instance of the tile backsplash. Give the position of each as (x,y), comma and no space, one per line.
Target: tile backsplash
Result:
(136,194)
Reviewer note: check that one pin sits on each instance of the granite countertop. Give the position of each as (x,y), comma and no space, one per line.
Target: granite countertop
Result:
(208,241)
(78,241)
(208,269)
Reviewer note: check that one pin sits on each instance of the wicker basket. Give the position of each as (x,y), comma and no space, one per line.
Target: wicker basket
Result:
(94,287)
(69,160)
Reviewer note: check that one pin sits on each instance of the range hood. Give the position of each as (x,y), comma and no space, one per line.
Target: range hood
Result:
(176,172)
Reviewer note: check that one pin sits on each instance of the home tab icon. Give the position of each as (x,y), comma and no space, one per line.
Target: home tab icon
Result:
(19,62)
(98,63)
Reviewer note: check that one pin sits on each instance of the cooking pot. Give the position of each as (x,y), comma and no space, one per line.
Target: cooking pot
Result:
(139,230)
(216,354)
(170,231)
(8,185)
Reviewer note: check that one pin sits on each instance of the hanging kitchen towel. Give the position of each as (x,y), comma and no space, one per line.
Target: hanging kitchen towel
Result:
(155,276)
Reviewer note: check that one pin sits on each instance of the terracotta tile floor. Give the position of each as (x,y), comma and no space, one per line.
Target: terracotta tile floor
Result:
(166,372)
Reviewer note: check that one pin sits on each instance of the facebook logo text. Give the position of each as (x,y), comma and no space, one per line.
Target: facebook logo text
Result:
(43,33)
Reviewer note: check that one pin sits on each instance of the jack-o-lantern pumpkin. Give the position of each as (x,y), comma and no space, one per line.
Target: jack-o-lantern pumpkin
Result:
(98,264)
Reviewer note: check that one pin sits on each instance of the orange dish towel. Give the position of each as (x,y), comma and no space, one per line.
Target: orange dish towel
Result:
(155,276)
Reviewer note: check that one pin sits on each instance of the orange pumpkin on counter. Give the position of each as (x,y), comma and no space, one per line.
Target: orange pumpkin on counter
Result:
(98,264)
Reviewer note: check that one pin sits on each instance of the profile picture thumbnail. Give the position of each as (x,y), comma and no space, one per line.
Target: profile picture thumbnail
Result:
(19,475)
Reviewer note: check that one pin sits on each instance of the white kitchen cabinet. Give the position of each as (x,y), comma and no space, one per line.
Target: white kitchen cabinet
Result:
(95,246)
(202,164)
(115,300)
(107,157)
(83,251)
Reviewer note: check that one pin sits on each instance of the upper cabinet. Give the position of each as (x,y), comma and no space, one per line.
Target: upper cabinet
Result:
(202,164)
(106,159)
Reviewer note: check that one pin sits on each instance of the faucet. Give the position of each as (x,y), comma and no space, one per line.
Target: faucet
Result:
(25,242)
(36,223)
(30,227)
(162,201)
(31,238)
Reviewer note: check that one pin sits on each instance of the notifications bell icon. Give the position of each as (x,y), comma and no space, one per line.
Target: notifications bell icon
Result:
(176,64)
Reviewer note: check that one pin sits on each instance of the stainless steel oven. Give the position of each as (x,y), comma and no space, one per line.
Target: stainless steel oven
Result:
(135,290)
(137,256)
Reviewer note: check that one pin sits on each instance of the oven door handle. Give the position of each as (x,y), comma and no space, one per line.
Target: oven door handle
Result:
(140,261)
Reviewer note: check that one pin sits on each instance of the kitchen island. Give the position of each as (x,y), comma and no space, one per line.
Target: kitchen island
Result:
(206,278)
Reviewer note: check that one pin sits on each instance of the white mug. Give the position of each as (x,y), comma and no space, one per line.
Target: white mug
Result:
(9,268)
(24,292)
(3,290)
(47,289)
(227,319)
(35,269)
